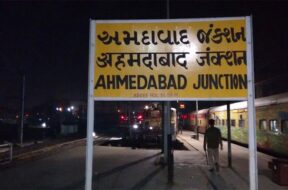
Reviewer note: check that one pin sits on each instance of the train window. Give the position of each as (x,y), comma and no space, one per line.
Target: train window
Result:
(218,121)
(233,123)
(284,127)
(263,124)
(241,123)
(223,122)
(273,125)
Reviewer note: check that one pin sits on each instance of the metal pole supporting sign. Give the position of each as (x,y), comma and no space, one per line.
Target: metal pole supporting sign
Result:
(90,111)
(251,108)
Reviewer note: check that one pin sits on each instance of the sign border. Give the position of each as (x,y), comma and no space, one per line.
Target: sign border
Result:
(95,22)
(169,20)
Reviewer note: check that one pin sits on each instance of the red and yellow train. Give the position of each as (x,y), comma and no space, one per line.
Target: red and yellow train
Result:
(271,122)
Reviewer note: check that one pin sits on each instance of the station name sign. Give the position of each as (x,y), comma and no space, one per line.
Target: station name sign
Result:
(170,59)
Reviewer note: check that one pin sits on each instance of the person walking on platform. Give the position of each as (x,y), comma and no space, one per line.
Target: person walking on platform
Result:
(212,140)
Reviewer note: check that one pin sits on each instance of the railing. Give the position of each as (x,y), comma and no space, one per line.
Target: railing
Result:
(6,152)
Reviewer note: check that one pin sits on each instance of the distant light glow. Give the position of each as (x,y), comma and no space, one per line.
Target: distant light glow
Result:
(182,106)
(115,138)
(59,109)
(43,125)
(123,118)
(140,117)
(184,116)
(135,126)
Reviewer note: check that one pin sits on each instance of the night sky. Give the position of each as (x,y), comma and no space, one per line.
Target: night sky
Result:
(49,41)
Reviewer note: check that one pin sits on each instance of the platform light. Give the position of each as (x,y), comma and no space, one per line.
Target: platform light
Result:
(135,126)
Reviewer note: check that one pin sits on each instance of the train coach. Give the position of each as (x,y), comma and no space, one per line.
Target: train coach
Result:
(147,125)
(271,122)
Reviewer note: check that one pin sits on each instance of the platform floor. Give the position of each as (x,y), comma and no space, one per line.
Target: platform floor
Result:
(126,168)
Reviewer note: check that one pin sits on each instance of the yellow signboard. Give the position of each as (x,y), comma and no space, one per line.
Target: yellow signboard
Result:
(170,59)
